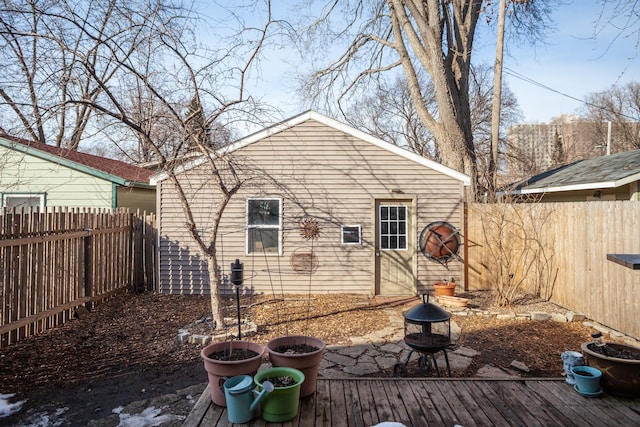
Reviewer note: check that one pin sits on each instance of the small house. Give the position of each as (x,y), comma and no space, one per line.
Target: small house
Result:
(323,207)
(612,177)
(33,174)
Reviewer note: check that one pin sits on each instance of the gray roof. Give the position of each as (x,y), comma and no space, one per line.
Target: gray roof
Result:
(610,171)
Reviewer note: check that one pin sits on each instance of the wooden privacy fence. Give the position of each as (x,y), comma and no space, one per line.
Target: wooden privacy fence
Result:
(559,250)
(55,261)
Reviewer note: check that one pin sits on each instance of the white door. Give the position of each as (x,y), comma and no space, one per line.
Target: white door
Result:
(394,248)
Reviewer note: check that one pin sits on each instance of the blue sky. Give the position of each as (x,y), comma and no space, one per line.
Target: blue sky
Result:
(579,57)
(574,61)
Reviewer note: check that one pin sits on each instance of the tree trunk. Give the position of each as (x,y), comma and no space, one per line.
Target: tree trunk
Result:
(214,285)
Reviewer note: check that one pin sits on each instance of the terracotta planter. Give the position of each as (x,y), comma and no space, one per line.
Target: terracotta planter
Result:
(444,289)
(219,370)
(308,363)
(620,377)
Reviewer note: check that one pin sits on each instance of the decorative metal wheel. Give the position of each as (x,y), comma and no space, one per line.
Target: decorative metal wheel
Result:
(309,229)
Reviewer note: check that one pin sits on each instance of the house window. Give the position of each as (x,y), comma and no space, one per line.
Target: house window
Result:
(264,225)
(23,200)
(393,227)
(351,235)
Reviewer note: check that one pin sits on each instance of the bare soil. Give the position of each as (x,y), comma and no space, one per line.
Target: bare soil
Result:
(126,349)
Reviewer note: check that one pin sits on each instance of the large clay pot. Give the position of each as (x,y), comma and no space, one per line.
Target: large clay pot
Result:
(308,363)
(444,289)
(219,370)
(620,377)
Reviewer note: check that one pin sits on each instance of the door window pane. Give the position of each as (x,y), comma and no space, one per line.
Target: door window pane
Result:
(393,227)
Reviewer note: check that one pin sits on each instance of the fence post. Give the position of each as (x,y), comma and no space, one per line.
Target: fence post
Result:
(88,266)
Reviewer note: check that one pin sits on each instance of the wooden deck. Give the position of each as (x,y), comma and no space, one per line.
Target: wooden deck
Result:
(361,402)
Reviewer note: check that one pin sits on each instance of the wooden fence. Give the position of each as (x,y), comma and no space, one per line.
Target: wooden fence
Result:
(560,251)
(53,262)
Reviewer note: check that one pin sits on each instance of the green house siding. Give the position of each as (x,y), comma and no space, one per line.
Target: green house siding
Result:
(63,186)
(143,199)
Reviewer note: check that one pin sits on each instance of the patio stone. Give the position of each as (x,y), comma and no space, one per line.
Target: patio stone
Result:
(386,362)
(457,362)
(488,371)
(339,359)
(365,359)
(353,351)
(391,348)
(466,351)
(361,369)
(575,317)
(540,316)
(521,366)
(558,317)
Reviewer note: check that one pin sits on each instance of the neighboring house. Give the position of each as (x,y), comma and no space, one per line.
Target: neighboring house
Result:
(613,177)
(370,199)
(36,174)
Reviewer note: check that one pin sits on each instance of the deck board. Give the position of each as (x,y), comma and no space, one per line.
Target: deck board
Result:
(361,402)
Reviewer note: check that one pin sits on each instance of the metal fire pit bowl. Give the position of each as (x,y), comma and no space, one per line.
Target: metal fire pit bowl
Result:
(427,330)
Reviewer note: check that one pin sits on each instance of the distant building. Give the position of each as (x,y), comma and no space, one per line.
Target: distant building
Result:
(33,174)
(533,148)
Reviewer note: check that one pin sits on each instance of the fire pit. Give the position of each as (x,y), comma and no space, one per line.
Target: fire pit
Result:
(427,330)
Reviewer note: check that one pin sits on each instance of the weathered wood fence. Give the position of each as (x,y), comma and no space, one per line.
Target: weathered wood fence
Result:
(53,262)
(560,250)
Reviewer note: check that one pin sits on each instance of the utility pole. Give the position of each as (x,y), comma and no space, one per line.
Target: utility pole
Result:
(497,96)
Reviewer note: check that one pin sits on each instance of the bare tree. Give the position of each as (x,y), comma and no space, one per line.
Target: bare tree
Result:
(391,115)
(153,82)
(434,36)
(620,106)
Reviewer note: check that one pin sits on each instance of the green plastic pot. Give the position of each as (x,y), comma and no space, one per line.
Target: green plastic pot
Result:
(282,403)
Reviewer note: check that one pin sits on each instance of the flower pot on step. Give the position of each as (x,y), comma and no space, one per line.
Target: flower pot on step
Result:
(444,288)
(299,352)
(238,358)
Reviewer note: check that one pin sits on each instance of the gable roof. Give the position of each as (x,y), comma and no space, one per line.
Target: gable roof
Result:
(610,171)
(312,115)
(112,170)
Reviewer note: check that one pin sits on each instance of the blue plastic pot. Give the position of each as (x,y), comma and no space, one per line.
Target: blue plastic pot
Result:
(587,379)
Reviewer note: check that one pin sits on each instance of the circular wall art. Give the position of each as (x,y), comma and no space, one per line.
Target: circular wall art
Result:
(440,241)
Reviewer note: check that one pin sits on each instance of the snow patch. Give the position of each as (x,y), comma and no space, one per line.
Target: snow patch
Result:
(150,417)
(7,408)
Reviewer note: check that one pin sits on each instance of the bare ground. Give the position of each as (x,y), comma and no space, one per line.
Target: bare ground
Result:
(126,349)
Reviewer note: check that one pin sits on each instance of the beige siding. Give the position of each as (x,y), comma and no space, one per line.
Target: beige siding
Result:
(322,173)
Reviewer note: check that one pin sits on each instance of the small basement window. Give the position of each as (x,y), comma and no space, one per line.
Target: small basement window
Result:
(351,235)
(264,226)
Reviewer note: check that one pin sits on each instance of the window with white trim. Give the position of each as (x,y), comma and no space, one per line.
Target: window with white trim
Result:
(264,225)
(23,200)
(351,235)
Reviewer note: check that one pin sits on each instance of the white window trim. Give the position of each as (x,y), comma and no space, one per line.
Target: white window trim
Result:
(40,195)
(270,227)
(358,226)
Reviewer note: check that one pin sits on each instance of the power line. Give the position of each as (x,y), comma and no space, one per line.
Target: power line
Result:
(529,80)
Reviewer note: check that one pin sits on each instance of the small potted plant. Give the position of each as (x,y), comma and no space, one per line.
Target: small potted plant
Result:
(445,288)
